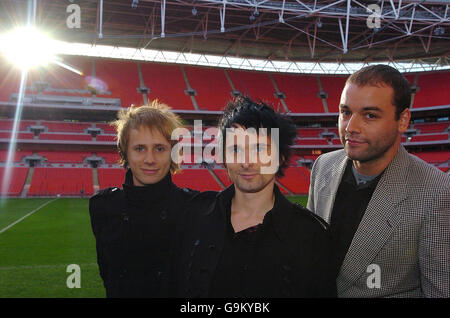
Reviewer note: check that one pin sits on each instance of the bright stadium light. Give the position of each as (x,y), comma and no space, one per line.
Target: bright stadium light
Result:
(26,47)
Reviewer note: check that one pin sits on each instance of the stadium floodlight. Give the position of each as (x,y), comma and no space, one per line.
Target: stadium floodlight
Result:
(26,47)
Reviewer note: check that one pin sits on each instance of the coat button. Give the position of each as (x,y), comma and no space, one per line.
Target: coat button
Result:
(125,217)
(163,215)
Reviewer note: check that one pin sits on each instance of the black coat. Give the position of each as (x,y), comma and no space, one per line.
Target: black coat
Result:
(134,229)
(291,256)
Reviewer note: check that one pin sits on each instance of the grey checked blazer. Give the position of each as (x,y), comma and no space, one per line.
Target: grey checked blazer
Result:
(405,229)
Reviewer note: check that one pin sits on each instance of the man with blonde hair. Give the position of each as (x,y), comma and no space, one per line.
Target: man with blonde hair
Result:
(133,225)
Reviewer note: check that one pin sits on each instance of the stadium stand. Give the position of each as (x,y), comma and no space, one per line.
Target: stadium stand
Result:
(199,179)
(64,156)
(107,129)
(63,181)
(158,78)
(256,85)
(110,177)
(296,179)
(54,126)
(18,155)
(222,174)
(61,136)
(20,135)
(311,141)
(426,128)
(333,85)
(433,90)
(113,73)
(301,92)
(106,138)
(429,137)
(211,86)
(18,176)
(434,157)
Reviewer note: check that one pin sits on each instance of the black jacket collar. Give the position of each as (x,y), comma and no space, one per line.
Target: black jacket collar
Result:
(280,214)
(149,194)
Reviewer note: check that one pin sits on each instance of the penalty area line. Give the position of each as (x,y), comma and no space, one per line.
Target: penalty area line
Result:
(25,216)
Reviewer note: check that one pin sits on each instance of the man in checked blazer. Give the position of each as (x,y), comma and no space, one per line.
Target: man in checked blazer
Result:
(388,211)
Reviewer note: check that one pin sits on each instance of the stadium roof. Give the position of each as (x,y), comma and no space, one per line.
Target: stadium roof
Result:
(260,31)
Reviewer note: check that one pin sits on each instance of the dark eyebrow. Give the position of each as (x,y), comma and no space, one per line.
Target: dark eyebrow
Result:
(159,145)
(368,108)
(372,108)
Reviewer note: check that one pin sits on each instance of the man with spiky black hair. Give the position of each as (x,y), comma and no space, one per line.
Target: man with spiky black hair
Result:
(249,240)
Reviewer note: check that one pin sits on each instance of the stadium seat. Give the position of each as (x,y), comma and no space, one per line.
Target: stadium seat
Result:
(301,92)
(18,176)
(333,86)
(166,83)
(296,179)
(211,85)
(257,85)
(63,181)
(110,177)
(433,90)
(121,79)
(197,179)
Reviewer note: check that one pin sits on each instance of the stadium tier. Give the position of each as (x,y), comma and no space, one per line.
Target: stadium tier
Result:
(256,85)
(106,138)
(222,174)
(61,136)
(109,177)
(309,132)
(426,128)
(301,93)
(63,181)
(433,90)
(54,126)
(198,179)
(211,87)
(18,176)
(64,156)
(434,157)
(332,86)
(296,180)
(429,137)
(167,84)
(20,135)
(17,156)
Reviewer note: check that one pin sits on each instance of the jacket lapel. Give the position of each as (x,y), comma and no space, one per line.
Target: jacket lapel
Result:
(329,187)
(379,221)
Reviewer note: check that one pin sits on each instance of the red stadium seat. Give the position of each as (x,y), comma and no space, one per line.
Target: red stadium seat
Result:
(432,137)
(167,84)
(211,85)
(56,136)
(256,85)
(110,177)
(333,86)
(18,176)
(64,181)
(301,92)
(197,179)
(434,90)
(296,179)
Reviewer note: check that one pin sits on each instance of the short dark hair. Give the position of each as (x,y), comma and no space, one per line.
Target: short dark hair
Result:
(245,112)
(375,75)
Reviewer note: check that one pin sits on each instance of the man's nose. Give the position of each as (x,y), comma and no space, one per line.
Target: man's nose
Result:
(353,124)
(149,158)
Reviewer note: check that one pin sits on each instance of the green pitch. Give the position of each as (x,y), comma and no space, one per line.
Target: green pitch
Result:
(35,252)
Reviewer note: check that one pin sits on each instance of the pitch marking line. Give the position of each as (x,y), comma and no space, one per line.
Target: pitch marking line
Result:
(23,217)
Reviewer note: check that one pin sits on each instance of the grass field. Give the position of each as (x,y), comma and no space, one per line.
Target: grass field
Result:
(35,252)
